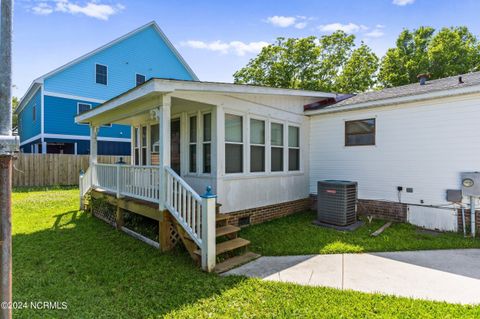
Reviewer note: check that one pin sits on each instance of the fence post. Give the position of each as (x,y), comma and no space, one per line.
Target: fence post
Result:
(80,184)
(208,230)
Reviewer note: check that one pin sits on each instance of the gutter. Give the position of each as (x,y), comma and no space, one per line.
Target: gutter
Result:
(398,100)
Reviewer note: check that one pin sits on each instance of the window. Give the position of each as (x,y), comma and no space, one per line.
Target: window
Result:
(257,146)
(139,79)
(154,145)
(83,107)
(207,143)
(193,144)
(276,140)
(137,146)
(293,148)
(360,132)
(233,144)
(144,145)
(34,112)
(101,74)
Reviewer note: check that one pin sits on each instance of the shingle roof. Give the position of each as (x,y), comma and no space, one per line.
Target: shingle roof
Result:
(452,82)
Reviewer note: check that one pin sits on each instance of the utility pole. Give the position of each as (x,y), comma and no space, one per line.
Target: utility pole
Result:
(8,146)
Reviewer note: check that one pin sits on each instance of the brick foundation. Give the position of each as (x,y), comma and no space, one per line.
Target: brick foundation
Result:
(391,211)
(467,221)
(265,213)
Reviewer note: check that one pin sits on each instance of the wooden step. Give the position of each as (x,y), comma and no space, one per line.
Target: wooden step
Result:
(227,230)
(228,245)
(235,262)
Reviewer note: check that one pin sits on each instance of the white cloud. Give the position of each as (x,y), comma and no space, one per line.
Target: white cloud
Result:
(93,9)
(42,9)
(298,22)
(238,47)
(402,2)
(281,21)
(375,33)
(347,28)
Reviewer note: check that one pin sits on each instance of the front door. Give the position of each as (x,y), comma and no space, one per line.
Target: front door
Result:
(175,145)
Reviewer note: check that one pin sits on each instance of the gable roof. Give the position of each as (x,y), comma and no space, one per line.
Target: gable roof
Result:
(153,24)
(435,88)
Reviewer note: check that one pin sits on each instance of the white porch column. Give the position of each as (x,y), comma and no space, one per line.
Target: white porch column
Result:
(93,144)
(164,145)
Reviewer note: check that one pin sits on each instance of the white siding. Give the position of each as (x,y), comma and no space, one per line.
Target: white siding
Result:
(423,145)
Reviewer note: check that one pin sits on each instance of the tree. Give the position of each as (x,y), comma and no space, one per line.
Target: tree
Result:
(15,103)
(451,51)
(313,63)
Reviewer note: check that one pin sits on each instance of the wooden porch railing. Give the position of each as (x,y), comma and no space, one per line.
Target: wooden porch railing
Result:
(195,213)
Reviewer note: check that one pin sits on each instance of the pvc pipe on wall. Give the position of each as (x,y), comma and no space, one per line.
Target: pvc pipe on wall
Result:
(472,215)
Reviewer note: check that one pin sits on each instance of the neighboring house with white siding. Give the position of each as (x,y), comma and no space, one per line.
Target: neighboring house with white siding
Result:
(262,150)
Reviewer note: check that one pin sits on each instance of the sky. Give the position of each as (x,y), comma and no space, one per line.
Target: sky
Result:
(216,38)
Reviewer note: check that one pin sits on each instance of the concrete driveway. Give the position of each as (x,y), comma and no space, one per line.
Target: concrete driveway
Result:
(441,275)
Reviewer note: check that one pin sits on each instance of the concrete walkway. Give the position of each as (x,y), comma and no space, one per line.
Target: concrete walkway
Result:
(442,275)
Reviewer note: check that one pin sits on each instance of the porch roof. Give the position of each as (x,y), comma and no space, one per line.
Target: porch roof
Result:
(151,91)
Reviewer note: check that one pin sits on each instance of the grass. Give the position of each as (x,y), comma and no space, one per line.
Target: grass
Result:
(295,235)
(61,254)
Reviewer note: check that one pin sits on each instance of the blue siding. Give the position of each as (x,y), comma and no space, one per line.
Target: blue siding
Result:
(27,148)
(60,119)
(27,127)
(145,53)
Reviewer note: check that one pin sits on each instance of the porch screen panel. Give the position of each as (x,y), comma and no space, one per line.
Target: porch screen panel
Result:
(193,144)
(144,145)
(155,144)
(233,143)
(257,145)
(276,141)
(137,146)
(207,141)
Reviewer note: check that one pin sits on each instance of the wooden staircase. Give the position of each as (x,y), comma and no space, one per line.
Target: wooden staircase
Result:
(231,250)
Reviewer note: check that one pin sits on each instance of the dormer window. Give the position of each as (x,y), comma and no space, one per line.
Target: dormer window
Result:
(101,74)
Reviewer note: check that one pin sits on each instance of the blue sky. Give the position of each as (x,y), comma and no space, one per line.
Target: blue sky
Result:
(215,37)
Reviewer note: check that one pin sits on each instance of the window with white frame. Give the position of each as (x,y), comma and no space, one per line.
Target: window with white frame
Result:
(139,79)
(83,107)
(276,142)
(207,143)
(154,144)
(192,148)
(257,145)
(144,145)
(101,74)
(233,143)
(137,146)
(293,148)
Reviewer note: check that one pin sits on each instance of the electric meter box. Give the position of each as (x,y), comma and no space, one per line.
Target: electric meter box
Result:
(471,184)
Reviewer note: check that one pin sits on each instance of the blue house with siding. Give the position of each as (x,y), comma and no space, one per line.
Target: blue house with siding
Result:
(46,112)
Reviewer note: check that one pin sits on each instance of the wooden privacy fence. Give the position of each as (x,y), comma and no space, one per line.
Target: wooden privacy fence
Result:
(53,169)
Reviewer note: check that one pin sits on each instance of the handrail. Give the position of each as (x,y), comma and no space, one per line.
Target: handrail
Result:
(184,184)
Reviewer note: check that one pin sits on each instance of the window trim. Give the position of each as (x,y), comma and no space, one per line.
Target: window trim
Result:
(360,120)
(203,142)
(190,143)
(78,111)
(242,143)
(283,147)
(144,80)
(264,145)
(299,148)
(106,75)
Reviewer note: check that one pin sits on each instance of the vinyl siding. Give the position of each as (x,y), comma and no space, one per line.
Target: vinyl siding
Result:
(60,119)
(145,53)
(423,145)
(28,127)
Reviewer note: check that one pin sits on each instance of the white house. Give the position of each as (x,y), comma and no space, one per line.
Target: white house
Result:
(262,150)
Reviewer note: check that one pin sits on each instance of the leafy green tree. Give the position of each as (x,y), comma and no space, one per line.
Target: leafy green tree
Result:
(451,51)
(313,63)
(15,103)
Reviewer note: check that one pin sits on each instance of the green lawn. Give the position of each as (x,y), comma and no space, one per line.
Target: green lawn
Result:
(295,235)
(61,254)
